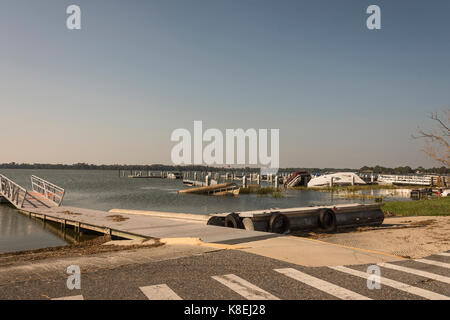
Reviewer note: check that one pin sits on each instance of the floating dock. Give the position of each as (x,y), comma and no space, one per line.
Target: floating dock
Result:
(220,189)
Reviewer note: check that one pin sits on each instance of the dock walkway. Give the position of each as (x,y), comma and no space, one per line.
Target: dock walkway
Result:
(44,202)
(136,226)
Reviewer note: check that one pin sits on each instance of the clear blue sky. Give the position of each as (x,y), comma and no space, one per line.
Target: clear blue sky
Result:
(341,95)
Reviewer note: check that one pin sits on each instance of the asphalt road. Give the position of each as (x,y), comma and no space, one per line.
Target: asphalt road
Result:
(232,274)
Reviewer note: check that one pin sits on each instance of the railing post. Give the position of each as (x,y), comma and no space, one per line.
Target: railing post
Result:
(23,200)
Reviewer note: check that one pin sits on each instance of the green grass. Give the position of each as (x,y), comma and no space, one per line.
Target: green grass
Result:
(276,193)
(257,190)
(432,207)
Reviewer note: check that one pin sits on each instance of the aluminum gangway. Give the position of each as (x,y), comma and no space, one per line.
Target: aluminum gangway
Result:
(43,194)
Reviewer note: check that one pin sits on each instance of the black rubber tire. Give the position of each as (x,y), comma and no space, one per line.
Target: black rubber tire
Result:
(216,221)
(279,223)
(327,220)
(233,221)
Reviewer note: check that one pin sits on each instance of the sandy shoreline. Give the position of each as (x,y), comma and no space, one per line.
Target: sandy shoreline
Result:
(408,237)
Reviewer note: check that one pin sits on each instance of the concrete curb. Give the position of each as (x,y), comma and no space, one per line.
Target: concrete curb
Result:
(199,242)
(169,215)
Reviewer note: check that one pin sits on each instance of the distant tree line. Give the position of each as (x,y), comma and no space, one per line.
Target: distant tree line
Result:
(405,170)
(86,166)
(158,167)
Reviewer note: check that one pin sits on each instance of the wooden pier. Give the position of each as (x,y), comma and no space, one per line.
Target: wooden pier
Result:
(220,189)
(418,180)
(199,177)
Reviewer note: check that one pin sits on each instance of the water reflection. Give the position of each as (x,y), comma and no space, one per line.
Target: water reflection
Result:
(18,232)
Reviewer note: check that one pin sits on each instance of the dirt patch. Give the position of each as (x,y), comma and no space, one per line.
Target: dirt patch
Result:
(81,249)
(71,213)
(317,234)
(117,218)
(423,223)
(414,237)
(313,234)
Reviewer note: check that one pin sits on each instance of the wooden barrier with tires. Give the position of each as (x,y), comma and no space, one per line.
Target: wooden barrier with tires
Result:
(325,218)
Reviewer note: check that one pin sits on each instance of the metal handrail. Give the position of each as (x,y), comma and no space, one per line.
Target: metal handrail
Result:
(425,180)
(47,189)
(11,191)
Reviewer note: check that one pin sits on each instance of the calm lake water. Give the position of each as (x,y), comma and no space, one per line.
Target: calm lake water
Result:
(105,190)
(18,232)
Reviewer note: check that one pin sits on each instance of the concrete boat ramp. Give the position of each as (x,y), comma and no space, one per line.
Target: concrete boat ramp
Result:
(139,226)
(44,202)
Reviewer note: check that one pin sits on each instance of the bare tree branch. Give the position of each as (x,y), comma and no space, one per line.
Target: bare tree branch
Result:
(437,145)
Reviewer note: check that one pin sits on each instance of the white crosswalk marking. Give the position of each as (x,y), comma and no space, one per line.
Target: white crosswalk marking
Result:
(434,263)
(322,285)
(395,284)
(79,297)
(421,273)
(244,288)
(445,254)
(159,292)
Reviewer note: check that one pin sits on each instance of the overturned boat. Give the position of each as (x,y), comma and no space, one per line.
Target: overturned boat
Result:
(220,189)
(336,179)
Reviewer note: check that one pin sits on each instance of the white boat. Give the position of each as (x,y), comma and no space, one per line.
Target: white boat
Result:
(174,175)
(339,179)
